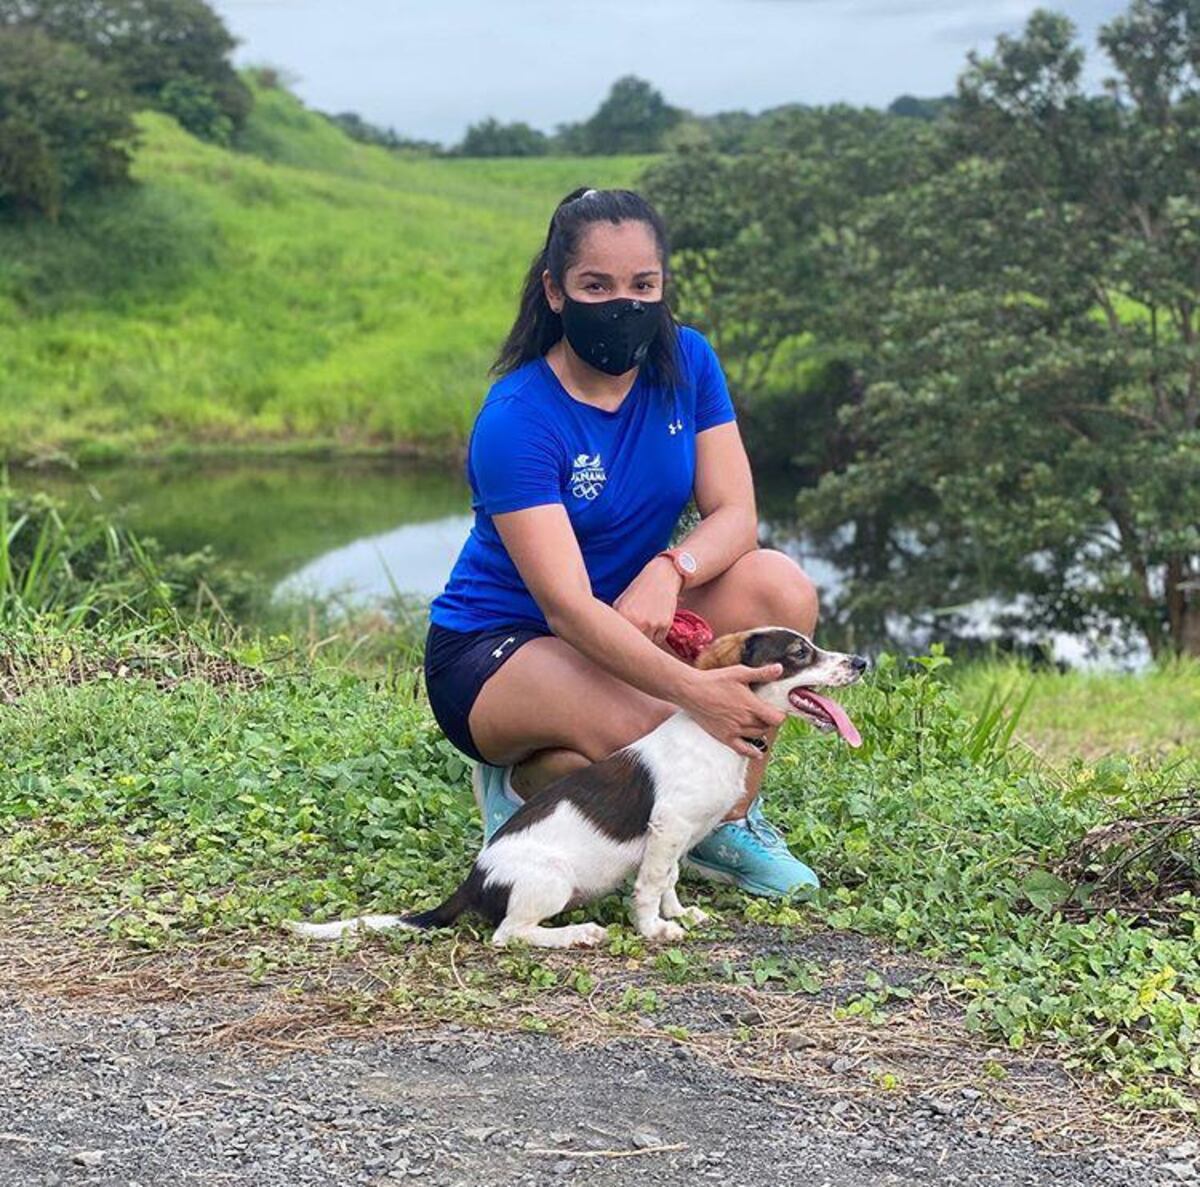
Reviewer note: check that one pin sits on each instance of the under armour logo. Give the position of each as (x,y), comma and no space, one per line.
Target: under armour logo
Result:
(500,650)
(675,427)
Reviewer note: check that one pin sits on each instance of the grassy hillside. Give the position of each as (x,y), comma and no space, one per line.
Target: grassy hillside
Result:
(306,288)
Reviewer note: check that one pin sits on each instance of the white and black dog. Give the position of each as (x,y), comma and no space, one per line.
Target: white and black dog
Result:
(640,809)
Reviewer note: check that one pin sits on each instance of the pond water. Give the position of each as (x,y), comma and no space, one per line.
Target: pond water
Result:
(360,530)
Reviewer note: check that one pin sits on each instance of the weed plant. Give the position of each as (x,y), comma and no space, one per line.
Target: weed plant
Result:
(220,809)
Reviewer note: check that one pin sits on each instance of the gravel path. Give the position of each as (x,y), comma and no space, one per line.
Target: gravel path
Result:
(136,1097)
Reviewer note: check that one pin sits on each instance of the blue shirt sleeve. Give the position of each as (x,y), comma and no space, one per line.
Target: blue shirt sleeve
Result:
(713,405)
(513,460)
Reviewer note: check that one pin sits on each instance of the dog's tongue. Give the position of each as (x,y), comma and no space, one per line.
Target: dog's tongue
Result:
(845,727)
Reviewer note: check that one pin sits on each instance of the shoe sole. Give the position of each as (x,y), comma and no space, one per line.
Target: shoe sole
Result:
(716,874)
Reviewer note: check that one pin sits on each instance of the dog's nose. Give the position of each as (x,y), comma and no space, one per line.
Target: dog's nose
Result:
(859,663)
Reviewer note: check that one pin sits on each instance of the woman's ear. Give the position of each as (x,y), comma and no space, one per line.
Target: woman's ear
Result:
(554,295)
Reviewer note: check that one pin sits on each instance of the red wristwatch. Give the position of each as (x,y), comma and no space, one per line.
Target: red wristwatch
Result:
(684,562)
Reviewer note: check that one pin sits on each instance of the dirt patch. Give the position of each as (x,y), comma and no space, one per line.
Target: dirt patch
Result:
(389,1062)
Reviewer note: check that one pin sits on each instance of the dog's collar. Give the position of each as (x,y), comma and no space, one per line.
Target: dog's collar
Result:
(759,744)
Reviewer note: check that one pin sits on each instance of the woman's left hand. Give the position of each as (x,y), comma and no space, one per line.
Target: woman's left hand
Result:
(650,599)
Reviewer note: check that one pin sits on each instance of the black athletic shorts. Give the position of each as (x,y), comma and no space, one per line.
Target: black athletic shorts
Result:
(459,663)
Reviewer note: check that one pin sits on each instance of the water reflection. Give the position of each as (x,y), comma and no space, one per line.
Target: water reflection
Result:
(362,531)
(413,559)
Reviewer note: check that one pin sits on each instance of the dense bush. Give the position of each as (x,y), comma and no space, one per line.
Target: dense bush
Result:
(490,138)
(196,108)
(172,54)
(65,122)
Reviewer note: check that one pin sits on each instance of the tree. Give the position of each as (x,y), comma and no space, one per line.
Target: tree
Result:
(757,240)
(633,118)
(1034,409)
(152,44)
(912,107)
(1013,290)
(365,132)
(490,138)
(65,122)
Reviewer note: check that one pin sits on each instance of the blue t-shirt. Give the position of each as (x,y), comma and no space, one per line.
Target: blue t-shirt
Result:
(624,478)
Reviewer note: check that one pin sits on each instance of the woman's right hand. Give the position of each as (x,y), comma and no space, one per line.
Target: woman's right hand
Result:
(720,701)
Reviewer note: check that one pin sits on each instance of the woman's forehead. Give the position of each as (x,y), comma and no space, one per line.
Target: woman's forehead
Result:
(617,249)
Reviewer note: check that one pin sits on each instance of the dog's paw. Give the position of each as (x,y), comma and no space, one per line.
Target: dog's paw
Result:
(588,935)
(693,916)
(661,931)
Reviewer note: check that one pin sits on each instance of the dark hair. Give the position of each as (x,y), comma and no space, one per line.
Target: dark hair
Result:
(538,327)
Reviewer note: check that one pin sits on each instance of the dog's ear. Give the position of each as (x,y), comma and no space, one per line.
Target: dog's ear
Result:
(724,652)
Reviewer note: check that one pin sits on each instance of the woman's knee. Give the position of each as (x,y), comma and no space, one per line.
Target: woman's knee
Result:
(784,587)
(763,587)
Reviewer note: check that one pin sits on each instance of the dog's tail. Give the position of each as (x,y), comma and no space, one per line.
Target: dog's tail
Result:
(439,916)
(447,912)
(342,927)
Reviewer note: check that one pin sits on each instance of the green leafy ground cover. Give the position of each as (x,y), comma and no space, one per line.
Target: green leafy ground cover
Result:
(305,289)
(163,810)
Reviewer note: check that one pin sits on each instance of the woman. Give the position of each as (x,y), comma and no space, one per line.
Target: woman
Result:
(546,648)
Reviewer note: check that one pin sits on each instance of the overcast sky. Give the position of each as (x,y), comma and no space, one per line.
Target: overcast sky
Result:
(431,67)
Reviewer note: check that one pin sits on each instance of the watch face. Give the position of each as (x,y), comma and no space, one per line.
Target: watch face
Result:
(687,562)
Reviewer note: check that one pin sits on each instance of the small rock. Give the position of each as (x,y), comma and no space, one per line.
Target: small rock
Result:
(481,1133)
(88,1158)
(839,1108)
(942,1108)
(564,1166)
(799,1042)
(644,1139)
(1185,1151)
(971,1094)
(1181,1170)
(480,1062)
(842,1064)
(561,1138)
(144,1038)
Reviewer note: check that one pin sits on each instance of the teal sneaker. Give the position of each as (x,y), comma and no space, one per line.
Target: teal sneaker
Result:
(493,794)
(752,855)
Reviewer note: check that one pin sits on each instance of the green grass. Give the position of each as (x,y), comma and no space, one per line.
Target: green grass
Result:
(331,292)
(1093,715)
(203,812)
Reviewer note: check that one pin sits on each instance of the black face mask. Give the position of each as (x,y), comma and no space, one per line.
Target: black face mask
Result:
(612,336)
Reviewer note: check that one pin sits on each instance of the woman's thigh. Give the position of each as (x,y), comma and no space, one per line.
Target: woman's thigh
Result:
(550,696)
